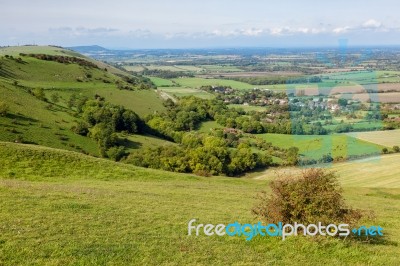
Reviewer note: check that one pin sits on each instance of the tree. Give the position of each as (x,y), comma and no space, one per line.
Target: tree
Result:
(71,101)
(385,150)
(308,198)
(292,156)
(116,153)
(39,93)
(396,149)
(3,108)
(55,98)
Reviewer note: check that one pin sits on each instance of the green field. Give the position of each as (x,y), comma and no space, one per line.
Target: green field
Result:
(198,82)
(248,107)
(185,91)
(363,77)
(374,172)
(207,126)
(160,82)
(388,138)
(315,146)
(134,142)
(65,208)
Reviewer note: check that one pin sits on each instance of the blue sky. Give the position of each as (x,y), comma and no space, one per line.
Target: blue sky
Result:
(197,24)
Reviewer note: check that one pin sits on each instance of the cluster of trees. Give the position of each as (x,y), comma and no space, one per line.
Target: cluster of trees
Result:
(166,74)
(183,116)
(135,82)
(278,80)
(102,121)
(62,59)
(203,155)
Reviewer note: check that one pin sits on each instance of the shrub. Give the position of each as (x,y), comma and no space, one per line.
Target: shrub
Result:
(385,150)
(314,196)
(396,148)
(3,109)
(116,153)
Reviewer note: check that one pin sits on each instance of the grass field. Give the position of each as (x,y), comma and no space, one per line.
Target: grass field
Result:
(198,82)
(160,82)
(59,207)
(315,147)
(184,91)
(388,138)
(248,107)
(374,172)
(208,126)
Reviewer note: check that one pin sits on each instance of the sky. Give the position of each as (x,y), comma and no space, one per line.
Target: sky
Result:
(138,24)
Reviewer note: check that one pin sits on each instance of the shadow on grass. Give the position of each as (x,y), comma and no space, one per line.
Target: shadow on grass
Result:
(5,73)
(129,143)
(21,118)
(373,240)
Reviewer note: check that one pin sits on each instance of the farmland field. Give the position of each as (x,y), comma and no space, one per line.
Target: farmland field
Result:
(184,91)
(388,97)
(375,172)
(316,146)
(198,82)
(388,138)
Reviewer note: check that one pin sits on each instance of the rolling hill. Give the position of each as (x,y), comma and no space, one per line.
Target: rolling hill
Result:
(62,207)
(57,74)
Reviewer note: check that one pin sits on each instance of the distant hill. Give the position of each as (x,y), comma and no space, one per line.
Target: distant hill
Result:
(88,49)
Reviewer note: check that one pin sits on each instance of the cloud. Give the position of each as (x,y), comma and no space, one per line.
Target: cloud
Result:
(371,24)
(83,31)
(341,30)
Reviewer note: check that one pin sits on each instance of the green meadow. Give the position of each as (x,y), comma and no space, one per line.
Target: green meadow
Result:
(60,207)
(315,146)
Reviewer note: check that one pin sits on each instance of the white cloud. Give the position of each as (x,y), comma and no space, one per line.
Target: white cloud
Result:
(371,23)
(341,30)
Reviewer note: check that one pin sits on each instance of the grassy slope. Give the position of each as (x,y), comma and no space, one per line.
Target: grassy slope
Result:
(60,207)
(33,120)
(374,172)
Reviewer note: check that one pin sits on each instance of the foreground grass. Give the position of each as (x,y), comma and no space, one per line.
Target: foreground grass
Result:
(60,207)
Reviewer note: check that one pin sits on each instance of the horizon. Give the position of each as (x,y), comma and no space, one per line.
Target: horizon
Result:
(184,25)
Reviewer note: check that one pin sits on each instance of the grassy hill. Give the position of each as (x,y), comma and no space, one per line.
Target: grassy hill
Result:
(48,122)
(60,207)
(373,172)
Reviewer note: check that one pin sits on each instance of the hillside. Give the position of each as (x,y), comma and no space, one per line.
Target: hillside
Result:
(373,172)
(61,207)
(37,90)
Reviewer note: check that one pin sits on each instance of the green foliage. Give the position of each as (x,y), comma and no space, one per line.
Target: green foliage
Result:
(39,93)
(292,156)
(55,97)
(3,109)
(203,155)
(116,153)
(314,196)
(396,148)
(62,59)
(104,135)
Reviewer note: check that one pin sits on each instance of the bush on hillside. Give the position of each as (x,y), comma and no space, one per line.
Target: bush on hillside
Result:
(314,196)
(3,109)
